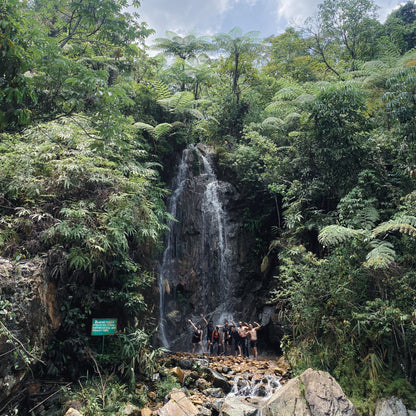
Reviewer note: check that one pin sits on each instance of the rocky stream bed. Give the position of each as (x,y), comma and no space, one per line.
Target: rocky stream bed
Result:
(237,386)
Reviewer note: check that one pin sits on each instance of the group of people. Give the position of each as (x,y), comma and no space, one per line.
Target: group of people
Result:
(223,339)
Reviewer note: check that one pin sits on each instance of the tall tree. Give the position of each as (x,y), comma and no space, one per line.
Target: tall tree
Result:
(289,55)
(346,29)
(240,47)
(400,26)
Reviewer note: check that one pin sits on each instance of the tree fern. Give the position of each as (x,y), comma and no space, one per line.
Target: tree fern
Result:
(160,90)
(381,256)
(405,224)
(178,101)
(336,234)
(162,130)
(144,126)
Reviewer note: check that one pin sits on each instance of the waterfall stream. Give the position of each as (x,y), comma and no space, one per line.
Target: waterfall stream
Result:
(255,391)
(169,253)
(197,263)
(214,216)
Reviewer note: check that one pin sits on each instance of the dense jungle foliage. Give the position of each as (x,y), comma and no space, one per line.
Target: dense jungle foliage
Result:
(316,127)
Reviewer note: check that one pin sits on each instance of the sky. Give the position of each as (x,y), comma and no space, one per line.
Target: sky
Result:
(208,17)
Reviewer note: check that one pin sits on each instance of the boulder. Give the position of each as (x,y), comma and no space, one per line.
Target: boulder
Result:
(218,380)
(233,406)
(214,392)
(203,411)
(313,393)
(178,405)
(30,319)
(288,401)
(146,412)
(185,364)
(201,384)
(324,395)
(390,407)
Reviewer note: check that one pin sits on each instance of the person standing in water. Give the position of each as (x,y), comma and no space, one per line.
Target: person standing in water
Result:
(197,337)
(252,332)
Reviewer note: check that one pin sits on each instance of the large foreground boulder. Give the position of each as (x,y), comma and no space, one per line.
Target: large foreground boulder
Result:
(178,405)
(392,407)
(313,393)
(232,406)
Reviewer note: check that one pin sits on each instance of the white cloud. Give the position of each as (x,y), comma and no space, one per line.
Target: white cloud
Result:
(296,11)
(207,17)
(183,16)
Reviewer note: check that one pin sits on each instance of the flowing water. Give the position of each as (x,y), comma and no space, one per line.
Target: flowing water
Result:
(215,219)
(256,391)
(170,245)
(198,266)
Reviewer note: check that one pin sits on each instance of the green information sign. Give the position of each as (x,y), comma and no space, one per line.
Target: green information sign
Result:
(105,326)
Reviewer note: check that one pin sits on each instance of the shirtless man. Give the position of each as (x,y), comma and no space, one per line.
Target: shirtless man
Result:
(252,331)
(242,333)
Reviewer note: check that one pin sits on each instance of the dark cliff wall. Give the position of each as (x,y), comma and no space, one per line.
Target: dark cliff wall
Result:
(209,267)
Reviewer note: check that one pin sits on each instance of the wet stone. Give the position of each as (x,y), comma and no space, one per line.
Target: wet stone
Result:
(185,364)
(214,392)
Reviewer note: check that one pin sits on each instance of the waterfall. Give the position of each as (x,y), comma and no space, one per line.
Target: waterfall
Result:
(199,269)
(214,218)
(169,253)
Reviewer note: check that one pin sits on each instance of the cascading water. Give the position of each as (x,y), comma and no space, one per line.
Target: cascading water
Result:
(169,253)
(255,391)
(214,218)
(199,271)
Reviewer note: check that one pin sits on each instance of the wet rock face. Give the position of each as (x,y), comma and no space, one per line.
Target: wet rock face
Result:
(207,249)
(30,315)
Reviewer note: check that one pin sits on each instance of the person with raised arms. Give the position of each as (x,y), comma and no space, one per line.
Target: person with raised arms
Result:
(252,332)
(197,336)
(210,330)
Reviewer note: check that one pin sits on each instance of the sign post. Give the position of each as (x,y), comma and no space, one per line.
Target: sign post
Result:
(103,326)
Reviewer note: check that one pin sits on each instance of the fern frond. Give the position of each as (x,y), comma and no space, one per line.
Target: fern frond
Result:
(161,90)
(288,93)
(144,126)
(178,101)
(196,113)
(405,224)
(381,256)
(367,217)
(162,129)
(336,234)
(304,99)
